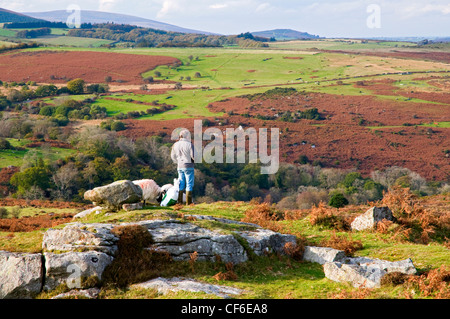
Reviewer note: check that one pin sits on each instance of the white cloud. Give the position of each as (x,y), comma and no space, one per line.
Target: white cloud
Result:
(444,9)
(168,6)
(262,7)
(218,6)
(106,5)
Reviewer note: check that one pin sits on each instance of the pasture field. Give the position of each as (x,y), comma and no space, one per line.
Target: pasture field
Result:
(73,41)
(214,74)
(15,157)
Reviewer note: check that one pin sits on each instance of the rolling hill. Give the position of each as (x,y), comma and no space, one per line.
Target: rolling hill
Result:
(11,16)
(105,17)
(285,34)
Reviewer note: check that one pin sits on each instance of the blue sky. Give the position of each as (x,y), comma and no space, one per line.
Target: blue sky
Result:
(330,18)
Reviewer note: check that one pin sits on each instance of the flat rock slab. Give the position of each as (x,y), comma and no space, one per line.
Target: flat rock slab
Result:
(175,284)
(182,239)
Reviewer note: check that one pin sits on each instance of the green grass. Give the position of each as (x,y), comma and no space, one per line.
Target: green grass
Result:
(29,242)
(33,211)
(6,43)
(54,39)
(188,104)
(437,124)
(339,44)
(231,69)
(406,99)
(7,33)
(15,157)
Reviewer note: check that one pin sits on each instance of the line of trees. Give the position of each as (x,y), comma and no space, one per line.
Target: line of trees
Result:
(18,46)
(42,24)
(33,33)
(146,37)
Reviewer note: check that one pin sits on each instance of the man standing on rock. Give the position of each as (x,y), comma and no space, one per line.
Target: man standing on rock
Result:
(183,154)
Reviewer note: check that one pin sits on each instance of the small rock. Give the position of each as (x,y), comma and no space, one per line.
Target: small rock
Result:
(96,209)
(265,240)
(91,293)
(134,206)
(322,255)
(164,285)
(371,217)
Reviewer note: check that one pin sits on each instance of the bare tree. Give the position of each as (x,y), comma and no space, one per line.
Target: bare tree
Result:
(65,180)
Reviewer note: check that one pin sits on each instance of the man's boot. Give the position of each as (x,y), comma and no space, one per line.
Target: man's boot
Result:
(188,198)
(180,197)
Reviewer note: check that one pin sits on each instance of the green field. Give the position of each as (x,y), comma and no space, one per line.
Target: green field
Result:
(16,157)
(339,44)
(73,41)
(213,74)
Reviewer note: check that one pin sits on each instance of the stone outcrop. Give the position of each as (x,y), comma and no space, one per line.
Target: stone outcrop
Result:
(21,275)
(80,251)
(322,255)
(114,195)
(165,285)
(371,217)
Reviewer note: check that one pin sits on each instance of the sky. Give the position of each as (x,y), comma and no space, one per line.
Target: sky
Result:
(327,18)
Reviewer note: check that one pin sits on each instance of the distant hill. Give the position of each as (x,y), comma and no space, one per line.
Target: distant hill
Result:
(285,34)
(105,17)
(11,16)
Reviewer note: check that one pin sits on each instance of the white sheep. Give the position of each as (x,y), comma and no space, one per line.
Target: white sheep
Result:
(150,190)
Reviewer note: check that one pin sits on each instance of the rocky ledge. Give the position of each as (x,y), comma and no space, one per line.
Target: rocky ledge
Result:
(84,250)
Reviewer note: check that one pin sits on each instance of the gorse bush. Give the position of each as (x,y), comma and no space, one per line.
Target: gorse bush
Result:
(338,200)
